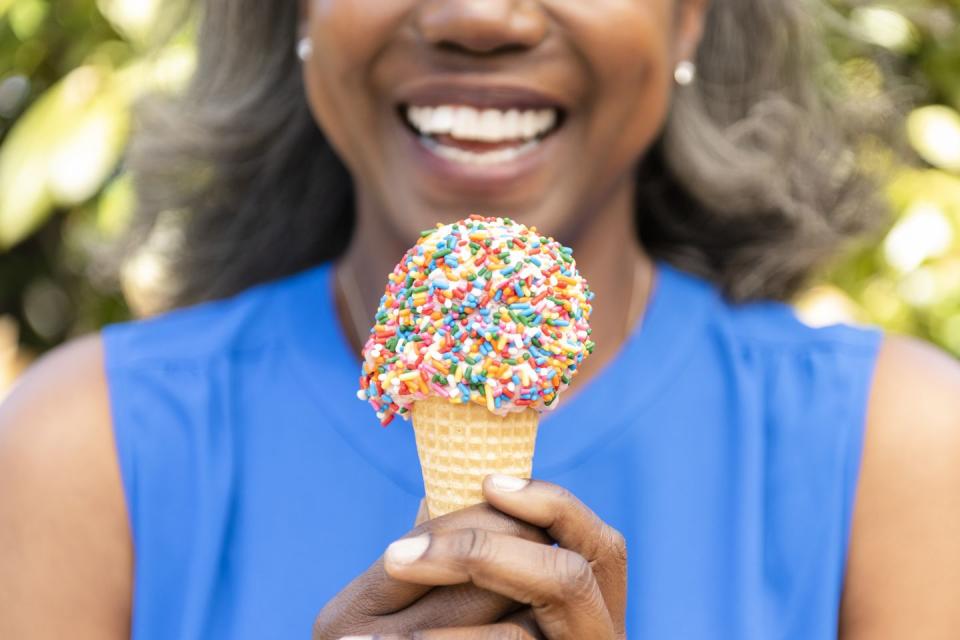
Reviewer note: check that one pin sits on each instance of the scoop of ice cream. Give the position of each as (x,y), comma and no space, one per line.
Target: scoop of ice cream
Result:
(485,310)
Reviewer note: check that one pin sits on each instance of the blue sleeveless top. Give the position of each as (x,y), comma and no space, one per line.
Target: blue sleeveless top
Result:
(723,441)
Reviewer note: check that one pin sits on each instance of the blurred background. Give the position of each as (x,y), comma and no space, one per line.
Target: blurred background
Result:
(70,70)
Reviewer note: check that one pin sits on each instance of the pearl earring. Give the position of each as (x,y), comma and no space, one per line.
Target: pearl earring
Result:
(685,73)
(304,48)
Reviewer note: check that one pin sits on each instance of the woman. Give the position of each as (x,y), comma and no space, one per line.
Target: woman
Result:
(208,473)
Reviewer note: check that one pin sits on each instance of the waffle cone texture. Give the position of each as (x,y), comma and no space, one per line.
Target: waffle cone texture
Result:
(460,444)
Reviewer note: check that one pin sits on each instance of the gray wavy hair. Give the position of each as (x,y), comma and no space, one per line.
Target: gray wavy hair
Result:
(752,183)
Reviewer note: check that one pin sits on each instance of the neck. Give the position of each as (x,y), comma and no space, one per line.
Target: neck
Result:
(604,245)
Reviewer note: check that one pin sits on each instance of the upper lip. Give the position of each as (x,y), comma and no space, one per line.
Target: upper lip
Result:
(479,94)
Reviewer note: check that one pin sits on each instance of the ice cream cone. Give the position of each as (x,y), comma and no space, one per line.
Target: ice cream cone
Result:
(460,444)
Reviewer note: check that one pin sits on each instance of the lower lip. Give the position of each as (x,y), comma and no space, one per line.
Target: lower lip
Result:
(476,177)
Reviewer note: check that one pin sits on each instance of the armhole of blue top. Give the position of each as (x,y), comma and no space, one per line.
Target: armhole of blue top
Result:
(872,341)
(123,440)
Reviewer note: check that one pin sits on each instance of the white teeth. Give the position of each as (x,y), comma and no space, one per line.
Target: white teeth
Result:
(489,125)
(462,156)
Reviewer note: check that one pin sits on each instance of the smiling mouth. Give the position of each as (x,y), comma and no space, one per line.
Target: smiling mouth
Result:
(480,137)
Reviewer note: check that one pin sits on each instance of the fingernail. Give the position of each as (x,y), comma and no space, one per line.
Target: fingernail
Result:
(508,484)
(408,550)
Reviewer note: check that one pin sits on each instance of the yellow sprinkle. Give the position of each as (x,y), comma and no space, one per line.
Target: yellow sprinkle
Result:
(491,406)
(410,375)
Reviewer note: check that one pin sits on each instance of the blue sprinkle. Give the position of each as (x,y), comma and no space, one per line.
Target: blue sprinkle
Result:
(465,390)
(440,284)
(535,261)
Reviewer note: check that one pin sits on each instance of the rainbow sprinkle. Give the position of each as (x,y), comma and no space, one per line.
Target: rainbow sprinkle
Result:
(484,310)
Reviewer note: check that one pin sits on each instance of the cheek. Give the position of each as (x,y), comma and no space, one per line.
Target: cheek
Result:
(627,50)
(348,36)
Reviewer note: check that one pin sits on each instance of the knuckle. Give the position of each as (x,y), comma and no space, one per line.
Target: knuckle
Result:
(576,581)
(617,543)
(561,494)
(474,545)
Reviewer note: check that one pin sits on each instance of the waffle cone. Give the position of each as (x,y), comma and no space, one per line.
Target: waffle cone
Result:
(460,444)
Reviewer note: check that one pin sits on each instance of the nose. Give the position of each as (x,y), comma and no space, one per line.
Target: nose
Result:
(483,26)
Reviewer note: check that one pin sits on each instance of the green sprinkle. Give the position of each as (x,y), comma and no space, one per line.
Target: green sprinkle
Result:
(392,344)
(421,289)
(424,234)
(511,361)
(442,254)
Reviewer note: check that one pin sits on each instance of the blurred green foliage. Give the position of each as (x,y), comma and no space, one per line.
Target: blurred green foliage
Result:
(69,72)
(70,69)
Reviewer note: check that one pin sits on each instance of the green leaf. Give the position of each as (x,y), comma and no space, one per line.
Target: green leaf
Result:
(61,151)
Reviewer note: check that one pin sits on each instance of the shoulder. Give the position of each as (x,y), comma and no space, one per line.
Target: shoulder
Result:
(64,539)
(242,322)
(776,325)
(769,327)
(904,563)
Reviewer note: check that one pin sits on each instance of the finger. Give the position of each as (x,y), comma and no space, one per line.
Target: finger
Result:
(572,524)
(422,514)
(376,593)
(557,583)
(454,606)
(525,619)
(500,631)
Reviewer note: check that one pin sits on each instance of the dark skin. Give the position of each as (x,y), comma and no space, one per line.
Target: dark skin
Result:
(65,547)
